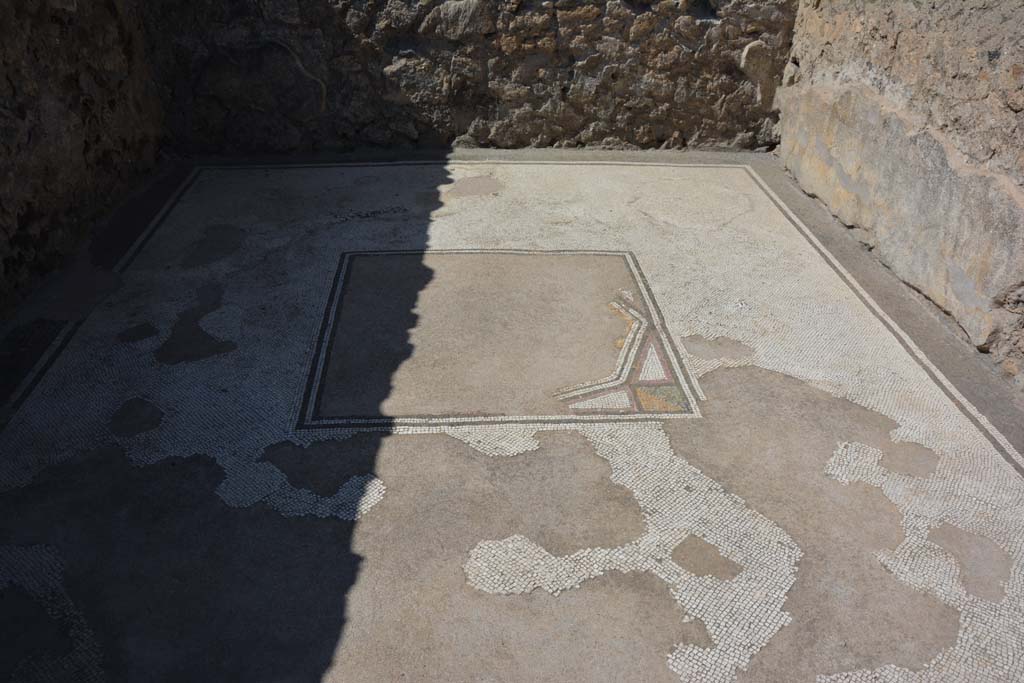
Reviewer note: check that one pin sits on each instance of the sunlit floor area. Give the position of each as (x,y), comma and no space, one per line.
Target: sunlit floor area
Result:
(490,420)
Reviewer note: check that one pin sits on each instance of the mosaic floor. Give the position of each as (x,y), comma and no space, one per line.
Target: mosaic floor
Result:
(486,421)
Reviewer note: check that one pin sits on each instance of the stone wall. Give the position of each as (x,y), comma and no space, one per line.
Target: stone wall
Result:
(907,119)
(284,75)
(79,120)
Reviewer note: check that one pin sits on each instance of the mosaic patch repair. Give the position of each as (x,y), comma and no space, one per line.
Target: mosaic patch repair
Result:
(457,347)
(542,340)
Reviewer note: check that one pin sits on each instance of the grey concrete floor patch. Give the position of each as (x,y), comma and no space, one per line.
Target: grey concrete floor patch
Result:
(564,316)
(226,339)
(38,571)
(135,416)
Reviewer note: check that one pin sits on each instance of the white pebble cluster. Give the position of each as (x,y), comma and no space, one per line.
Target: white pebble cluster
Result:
(722,261)
(677,500)
(990,646)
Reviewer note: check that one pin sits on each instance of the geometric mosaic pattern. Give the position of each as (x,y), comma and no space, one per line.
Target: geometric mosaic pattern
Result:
(644,380)
(649,380)
(747,271)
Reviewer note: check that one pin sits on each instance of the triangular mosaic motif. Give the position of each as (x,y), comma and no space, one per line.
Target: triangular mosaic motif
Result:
(645,380)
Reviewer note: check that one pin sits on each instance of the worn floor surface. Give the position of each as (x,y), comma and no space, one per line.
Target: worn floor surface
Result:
(498,421)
